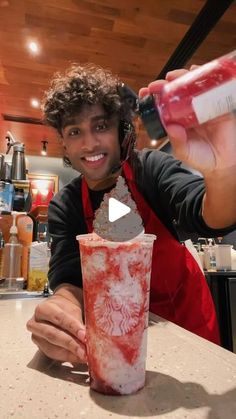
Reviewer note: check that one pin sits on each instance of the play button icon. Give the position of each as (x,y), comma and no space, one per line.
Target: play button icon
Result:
(117,209)
(117,218)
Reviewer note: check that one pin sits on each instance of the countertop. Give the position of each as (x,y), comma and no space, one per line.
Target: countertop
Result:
(187,377)
(220,273)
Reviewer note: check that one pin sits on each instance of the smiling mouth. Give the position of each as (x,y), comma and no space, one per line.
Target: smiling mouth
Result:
(96,158)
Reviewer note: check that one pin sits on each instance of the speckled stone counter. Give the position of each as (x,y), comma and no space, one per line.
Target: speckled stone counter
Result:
(187,377)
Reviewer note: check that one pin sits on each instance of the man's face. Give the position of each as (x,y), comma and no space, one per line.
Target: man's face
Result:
(91,142)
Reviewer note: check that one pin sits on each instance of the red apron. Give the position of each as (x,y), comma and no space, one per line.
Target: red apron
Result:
(179,291)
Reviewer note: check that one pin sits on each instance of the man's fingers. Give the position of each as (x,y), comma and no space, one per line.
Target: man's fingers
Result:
(57,337)
(155,86)
(172,75)
(178,139)
(194,66)
(56,352)
(52,313)
(143,92)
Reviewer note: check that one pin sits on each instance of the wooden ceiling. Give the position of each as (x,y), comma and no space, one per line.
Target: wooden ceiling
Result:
(134,38)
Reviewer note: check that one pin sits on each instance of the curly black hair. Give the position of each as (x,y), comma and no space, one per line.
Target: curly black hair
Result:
(82,85)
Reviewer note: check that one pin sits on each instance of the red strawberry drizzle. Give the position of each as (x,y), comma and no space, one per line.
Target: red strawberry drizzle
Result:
(129,343)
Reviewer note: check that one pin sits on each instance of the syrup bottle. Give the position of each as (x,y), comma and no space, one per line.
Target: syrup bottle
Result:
(194,98)
(12,255)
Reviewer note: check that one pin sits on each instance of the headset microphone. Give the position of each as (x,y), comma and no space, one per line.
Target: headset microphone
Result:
(126,129)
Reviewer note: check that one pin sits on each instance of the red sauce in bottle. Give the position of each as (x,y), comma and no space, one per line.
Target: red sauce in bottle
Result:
(196,97)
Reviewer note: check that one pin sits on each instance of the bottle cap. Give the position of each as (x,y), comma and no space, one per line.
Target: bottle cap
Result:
(19,147)
(151,118)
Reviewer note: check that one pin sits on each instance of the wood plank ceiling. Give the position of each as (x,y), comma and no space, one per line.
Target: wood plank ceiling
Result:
(133,38)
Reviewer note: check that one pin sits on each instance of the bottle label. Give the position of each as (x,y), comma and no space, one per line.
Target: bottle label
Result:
(215,102)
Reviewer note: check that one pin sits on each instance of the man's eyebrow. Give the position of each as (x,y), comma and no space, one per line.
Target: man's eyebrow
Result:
(76,120)
(68,122)
(97,117)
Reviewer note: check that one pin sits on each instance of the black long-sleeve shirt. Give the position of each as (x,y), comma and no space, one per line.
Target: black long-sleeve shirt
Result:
(174,193)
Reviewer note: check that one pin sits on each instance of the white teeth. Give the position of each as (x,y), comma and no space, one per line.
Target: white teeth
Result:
(94,158)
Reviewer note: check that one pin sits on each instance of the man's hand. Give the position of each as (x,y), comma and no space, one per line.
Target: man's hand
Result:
(210,149)
(57,327)
(207,148)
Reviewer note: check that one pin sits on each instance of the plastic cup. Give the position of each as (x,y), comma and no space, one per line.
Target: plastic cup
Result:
(116,285)
(223,257)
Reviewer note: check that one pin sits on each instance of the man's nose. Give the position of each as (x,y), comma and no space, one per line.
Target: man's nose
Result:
(90,141)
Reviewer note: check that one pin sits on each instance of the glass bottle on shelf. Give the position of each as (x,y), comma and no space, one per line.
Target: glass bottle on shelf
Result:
(12,257)
(2,243)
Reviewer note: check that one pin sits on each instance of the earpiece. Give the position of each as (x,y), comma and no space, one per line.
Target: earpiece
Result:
(128,97)
(127,136)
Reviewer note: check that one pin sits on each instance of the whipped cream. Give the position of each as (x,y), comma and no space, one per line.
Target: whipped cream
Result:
(125,228)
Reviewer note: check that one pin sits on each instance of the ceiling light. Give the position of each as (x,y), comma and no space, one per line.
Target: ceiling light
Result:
(153,143)
(35,103)
(33,47)
(44,147)
(4,3)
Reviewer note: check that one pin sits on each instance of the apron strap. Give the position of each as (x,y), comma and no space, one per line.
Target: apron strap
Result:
(87,207)
(145,211)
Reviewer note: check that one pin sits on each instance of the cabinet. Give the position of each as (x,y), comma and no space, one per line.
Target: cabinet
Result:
(232,301)
(223,290)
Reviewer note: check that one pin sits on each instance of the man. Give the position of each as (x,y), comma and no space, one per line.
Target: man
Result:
(95,127)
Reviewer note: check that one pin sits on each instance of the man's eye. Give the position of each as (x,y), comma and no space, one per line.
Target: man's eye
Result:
(101,126)
(74,132)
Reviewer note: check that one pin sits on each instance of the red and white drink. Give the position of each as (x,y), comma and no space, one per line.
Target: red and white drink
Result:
(116,284)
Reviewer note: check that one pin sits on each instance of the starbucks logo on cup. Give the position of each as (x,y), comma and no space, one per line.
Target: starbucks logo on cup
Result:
(115,313)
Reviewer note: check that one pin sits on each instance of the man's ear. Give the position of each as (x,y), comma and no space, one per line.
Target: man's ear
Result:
(65,151)
(66,160)
(62,142)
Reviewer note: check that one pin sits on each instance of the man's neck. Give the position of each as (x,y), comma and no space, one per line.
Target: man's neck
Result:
(99,185)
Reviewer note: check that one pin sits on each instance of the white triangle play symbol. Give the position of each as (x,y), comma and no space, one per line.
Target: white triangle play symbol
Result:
(116,209)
